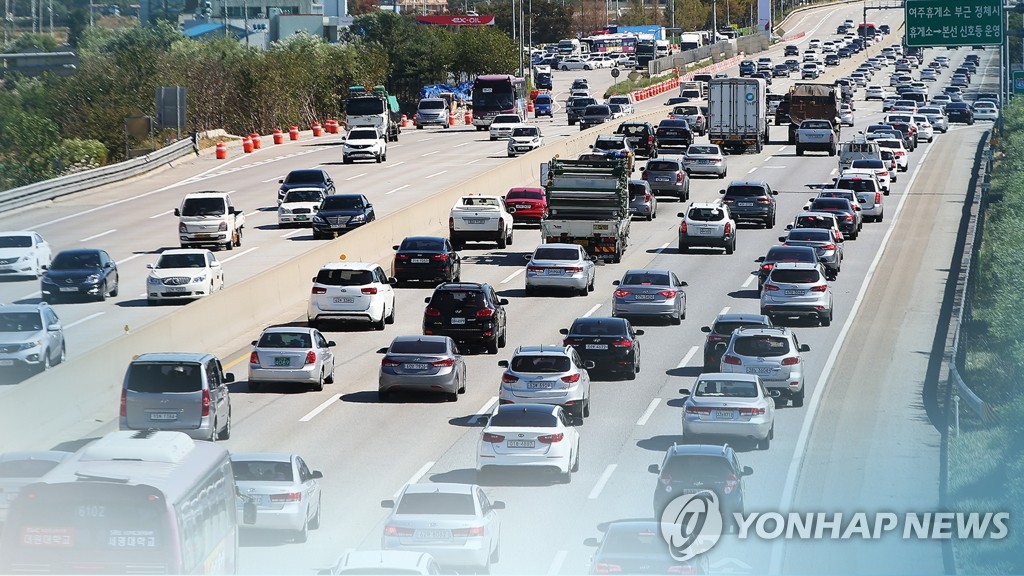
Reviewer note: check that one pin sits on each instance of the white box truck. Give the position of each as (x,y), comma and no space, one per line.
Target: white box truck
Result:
(737,113)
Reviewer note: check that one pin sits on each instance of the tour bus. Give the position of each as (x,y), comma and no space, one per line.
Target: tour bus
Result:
(495,94)
(569,47)
(612,43)
(154,502)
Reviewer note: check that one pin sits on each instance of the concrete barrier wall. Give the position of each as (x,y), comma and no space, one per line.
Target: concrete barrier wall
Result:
(73,399)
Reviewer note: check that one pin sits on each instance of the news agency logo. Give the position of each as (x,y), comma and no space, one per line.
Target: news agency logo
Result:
(692,524)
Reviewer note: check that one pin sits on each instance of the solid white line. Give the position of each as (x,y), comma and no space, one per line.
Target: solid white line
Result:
(601,482)
(425,139)
(293,233)
(752,170)
(647,413)
(833,172)
(474,161)
(511,276)
(32,295)
(250,214)
(161,214)
(77,322)
(767,158)
(781,150)
(356,176)
(402,187)
(397,164)
(132,257)
(429,153)
(461,145)
(243,253)
(272,179)
(556,563)
(750,280)
(689,356)
(724,311)
(435,174)
(592,310)
(483,411)
(93,237)
(415,478)
(323,406)
(789,488)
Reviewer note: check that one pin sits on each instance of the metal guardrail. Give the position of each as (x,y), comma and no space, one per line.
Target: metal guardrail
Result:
(89,179)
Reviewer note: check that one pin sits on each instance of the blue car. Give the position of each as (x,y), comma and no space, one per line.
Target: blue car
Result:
(543,105)
(747,68)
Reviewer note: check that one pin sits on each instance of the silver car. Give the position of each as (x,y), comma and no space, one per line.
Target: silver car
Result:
(31,336)
(667,175)
(773,355)
(287,492)
(825,244)
(565,266)
(936,117)
(705,159)
(293,355)
(797,289)
(19,469)
(642,201)
(421,364)
(734,405)
(644,292)
(547,375)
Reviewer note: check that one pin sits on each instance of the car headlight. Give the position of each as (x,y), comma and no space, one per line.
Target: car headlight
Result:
(200,278)
(283,210)
(92,278)
(319,219)
(359,218)
(29,345)
(47,280)
(154,280)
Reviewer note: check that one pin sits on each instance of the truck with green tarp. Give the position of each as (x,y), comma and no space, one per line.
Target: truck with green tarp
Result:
(588,204)
(373,107)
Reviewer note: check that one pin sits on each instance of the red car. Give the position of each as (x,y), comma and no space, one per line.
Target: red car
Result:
(530,204)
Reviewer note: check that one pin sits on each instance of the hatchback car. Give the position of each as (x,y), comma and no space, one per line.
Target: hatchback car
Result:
(612,344)
(80,272)
(728,405)
(796,289)
(547,375)
(19,469)
(561,266)
(184,273)
(428,259)
(291,355)
(530,204)
(751,200)
(23,253)
(693,468)
(707,224)
(667,176)
(773,354)
(524,139)
(421,364)
(469,313)
(642,202)
(777,254)
(31,336)
(339,213)
(502,125)
(351,291)
(650,293)
(538,436)
(826,247)
(718,335)
(287,492)
(705,159)
(306,178)
(637,547)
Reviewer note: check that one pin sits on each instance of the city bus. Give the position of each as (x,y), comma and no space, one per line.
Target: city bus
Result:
(154,502)
(611,43)
(495,94)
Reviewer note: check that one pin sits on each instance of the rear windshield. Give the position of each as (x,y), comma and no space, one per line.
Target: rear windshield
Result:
(15,242)
(525,131)
(342,203)
(647,543)
(595,110)
(745,191)
(816,125)
(791,254)
(686,110)
(344,277)
(702,150)
(262,471)
(525,418)
(830,204)
(556,254)
(761,345)
(814,222)
(418,347)
(26,468)
(427,244)
(691,469)
(450,299)
(304,177)
(437,503)
(285,340)
(362,135)
(706,214)
(640,278)
(169,377)
(586,327)
(633,130)
(662,166)
(524,195)
(729,327)
(867,164)
(795,276)
(734,388)
(636,190)
(810,235)
(609,145)
(856,184)
(540,364)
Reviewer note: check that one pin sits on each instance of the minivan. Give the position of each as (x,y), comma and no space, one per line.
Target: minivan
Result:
(185,392)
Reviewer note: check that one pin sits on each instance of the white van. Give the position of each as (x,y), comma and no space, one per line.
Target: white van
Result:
(858,149)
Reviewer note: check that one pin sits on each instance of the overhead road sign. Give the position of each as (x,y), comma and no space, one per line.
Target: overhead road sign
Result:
(932,23)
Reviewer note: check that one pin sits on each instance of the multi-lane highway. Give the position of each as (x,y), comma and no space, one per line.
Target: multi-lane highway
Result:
(864,441)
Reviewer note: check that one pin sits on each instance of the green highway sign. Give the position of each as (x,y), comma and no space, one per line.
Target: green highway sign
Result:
(954,22)
(1018,82)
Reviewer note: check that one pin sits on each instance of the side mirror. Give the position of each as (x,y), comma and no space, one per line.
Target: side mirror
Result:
(841,240)
(616,282)
(885,193)
(108,265)
(759,259)
(564,331)
(497,505)
(589,364)
(53,327)
(229,377)
(807,207)
(318,474)
(395,248)
(177,212)
(782,238)
(383,350)
(151,266)
(387,503)
(393,281)
(427,300)
(503,301)
(721,191)
(812,198)
(44,267)
(591,542)
(682,283)
(331,343)
(775,192)
(721,346)
(503,363)
(639,332)
(684,391)
(313,279)
(249,513)
(254,342)
(681,214)
(705,329)
(280,181)
(747,471)
(789,226)
(805,348)
(653,469)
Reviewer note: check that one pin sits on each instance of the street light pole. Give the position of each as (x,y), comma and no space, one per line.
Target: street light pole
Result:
(714,21)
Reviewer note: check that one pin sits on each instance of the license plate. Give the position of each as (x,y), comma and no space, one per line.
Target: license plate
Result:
(744,203)
(539,385)
(553,272)
(723,414)
(69,288)
(301,217)
(703,161)
(521,443)
(6,362)
(458,321)
(765,370)
(601,227)
(793,292)
(433,534)
(706,231)
(475,220)
(282,361)
(644,297)
(174,288)
(163,416)
(415,366)
(420,261)
(522,206)
(661,179)
(204,236)
(596,346)
(523,148)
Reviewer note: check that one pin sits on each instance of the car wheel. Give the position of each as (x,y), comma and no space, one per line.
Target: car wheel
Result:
(314,522)
(254,386)
(501,339)
(103,293)
(677,319)
(492,346)
(583,291)
(63,353)
(329,379)
(46,365)
(225,434)
(451,396)
(302,534)
(390,319)
(590,286)
(503,241)
(631,375)
(318,386)
(117,286)
(766,442)
(378,158)
(731,247)
(586,408)
(379,324)
(798,399)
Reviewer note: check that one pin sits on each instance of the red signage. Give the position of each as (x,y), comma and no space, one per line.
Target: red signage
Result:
(458,20)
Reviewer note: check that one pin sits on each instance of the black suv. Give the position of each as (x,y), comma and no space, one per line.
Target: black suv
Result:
(468,313)
(575,106)
(720,332)
(692,468)
(791,50)
(643,137)
(308,178)
(751,201)
(673,133)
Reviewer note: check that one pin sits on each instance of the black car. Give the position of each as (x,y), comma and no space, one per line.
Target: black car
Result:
(80,273)
(965,71)
(426,258)
(468,313)
(766,74)
(341,212)
(909,133)
(638,547)
(643,137)
(308,178)
(959,112)
(676,100)
(610,343)
(793,65)
(884,29)
(846,214)
(751,200)
(781,71)
(674,134)
(747,68)
(782,112)
(832,60)
(575,106)
(844,52)
(593,115)
(688,468)
(791,50)
(778,254)
(720,332)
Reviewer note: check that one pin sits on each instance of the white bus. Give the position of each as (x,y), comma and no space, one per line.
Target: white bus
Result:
(569,47)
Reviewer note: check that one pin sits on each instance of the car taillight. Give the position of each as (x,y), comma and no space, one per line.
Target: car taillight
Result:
(679,176)
(668,293)
(493,438)
(606,568)
(682,569)
(124,403)
(467,532)
(849,218)
(440,257)
(571,342)
(767,267)
(402,258)
(878,197)
(728,228)
(509,379)
(791,361)
(573,269)
(398,531)
(501,223)
(650,139)
(819,288)
(485,313)
(682,227)
(622,343)
(389,363)
(829,247)
(764,201)
(550,438)
(254,358)
(451,223)
(730,484)
(446,363)
(368,291)
(534,268)
(432,312)
(731,360)
(770,288)
(206,403)
(698,410)
(645,176)
(647,196)
(289,497)
(310,357)
(622,293)
(571,378)
(319,290)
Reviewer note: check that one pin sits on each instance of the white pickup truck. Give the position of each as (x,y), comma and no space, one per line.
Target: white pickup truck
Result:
(209,219)
(818,135)
(480,218)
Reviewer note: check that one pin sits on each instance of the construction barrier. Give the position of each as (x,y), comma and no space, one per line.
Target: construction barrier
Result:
(247,144)
(222,151)
(317,129)
(278,136)
(293,133)
(451,118)
(468,118)
(529,105)
(405,121)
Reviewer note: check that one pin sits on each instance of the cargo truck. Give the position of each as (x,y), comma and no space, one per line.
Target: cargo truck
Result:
(813,102)
(737,113)
(375,108)
(588,204)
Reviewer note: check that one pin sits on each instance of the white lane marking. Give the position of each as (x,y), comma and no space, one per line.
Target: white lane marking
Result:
(32,295)
(323,406)
(556,562)
(833,172)
(356,176)
(689,356)
(601,482)
(130,258)
(250,214)
(94,236)
(647,413)
(402,187)
(752,170)
(511,276)
(242,253)
(781,150)
(724,311)
(662,247)
(86,319)
(429,153)
(750,280)
(767,158)
(425,139)
(461,145)
(592,310)
(434,174)
(414,478)
(272,179)
(483,411)
(161,214)
(293,233)
(395,146)
(789,488)
(474,161)
(397,164)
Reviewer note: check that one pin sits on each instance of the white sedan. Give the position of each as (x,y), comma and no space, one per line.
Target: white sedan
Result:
(23,253)
(601,61)
(985,111)
(876,93)
(182,274)
(735,405)
(298,206)
(575,64)
(524,139)
(530,435)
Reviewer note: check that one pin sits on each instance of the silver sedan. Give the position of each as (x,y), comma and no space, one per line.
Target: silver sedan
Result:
(421,364)
(286,491)
(566,266)
(732,405)
(650,293)
(705,159)
(293,355)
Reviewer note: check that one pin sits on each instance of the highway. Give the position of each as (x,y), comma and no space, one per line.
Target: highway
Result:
(863,441)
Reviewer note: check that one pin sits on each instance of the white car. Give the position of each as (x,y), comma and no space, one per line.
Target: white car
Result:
(733,405)
(352,291)
(364,142)
(925,130)
(877,93)
(552,375)
(846,115)
(502,126)
(623,100)
(23,253)
(287,492)
(929,74)
(359,562)
(538,436)
(291,355)
(182,274)
(575,64)
(985,111)
(902,158)
(298,206)
(601,61)
(524,138)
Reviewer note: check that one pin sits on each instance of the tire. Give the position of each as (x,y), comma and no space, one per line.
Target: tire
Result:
(117,287)
(586,408)
(254,386)
(495,554)
(225,434)
(378,159)
(103,293)
(492,347)
(314,522)
(379,324)
(721,176)
(383,396)
(502,339)
(318,386)
(731,247)
(46,365)
(503,241)
(827,321)
(451,396)
(390,318)
(329,379)
(63,353)
(302,534)
(798,400)
(677,319)
(766,442)
(684,247)
(799,151)
(631,375)
(346,160)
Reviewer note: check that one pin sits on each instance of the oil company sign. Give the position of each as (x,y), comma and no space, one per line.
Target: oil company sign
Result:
(457,20)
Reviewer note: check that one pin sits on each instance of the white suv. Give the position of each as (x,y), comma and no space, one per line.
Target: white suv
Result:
(797,289)
(352,291)
(707,224)
(183,274)
(547,375)
(364,142)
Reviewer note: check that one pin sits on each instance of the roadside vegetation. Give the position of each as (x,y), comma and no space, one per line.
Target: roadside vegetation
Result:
(986,462)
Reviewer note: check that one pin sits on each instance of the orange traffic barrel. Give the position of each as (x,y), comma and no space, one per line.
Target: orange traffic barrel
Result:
(317,129)
(278,136)
(293,132)
(222,151)
(247,145)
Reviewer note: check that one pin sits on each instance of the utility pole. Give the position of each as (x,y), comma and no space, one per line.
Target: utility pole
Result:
(51,17)
(714,21)
(245,19)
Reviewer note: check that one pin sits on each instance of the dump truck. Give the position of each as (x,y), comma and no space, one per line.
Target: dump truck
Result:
(813,102)
(588,204)
(373,107)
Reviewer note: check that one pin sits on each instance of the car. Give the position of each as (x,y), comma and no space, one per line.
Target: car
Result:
(791,50)
(298,206)
(963,71)
(864,191)
(929,74)
(774,101)
(908,130)
(809,71)
(184,273)
(707,224)
(814,44)
(580,83)
(360,562)
(766,75)
(797,289)
(898,149)
(291,355)
(601,61)
(960,112)
(339,213)
(751,200)
(470,313)
(889,103)
(612,344)
(674,100)
(642,202)
(778,254)
(847,214)
(287,493)
(889,158)
(364,142)
(705,159)
(793,65)
(985,110)
(719,332)
(925,129)
(530,204)
(846,115)
(19,469)
(690,468)
(543,105)
(457,524)
(747,68)
(547,374)
(728,405)
(306,178)
(561,266)
(23,253)
(537,436)
(991,96)
(832,60)
(774,354)
(431,111)
(643,137)
(31,337)
(351,292)
(524,139)
(636,546)
(650,292)
(624,100)
(80,273)
(615,145)
(936,117)
(781,71)
(574,64)
(595,114)
(959,80)
(502,126)
(421,364)
(940,101)
(879,168)
(667,176)
(694,115)
(426,259)
(827,248)
(673,135)
(575,106)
